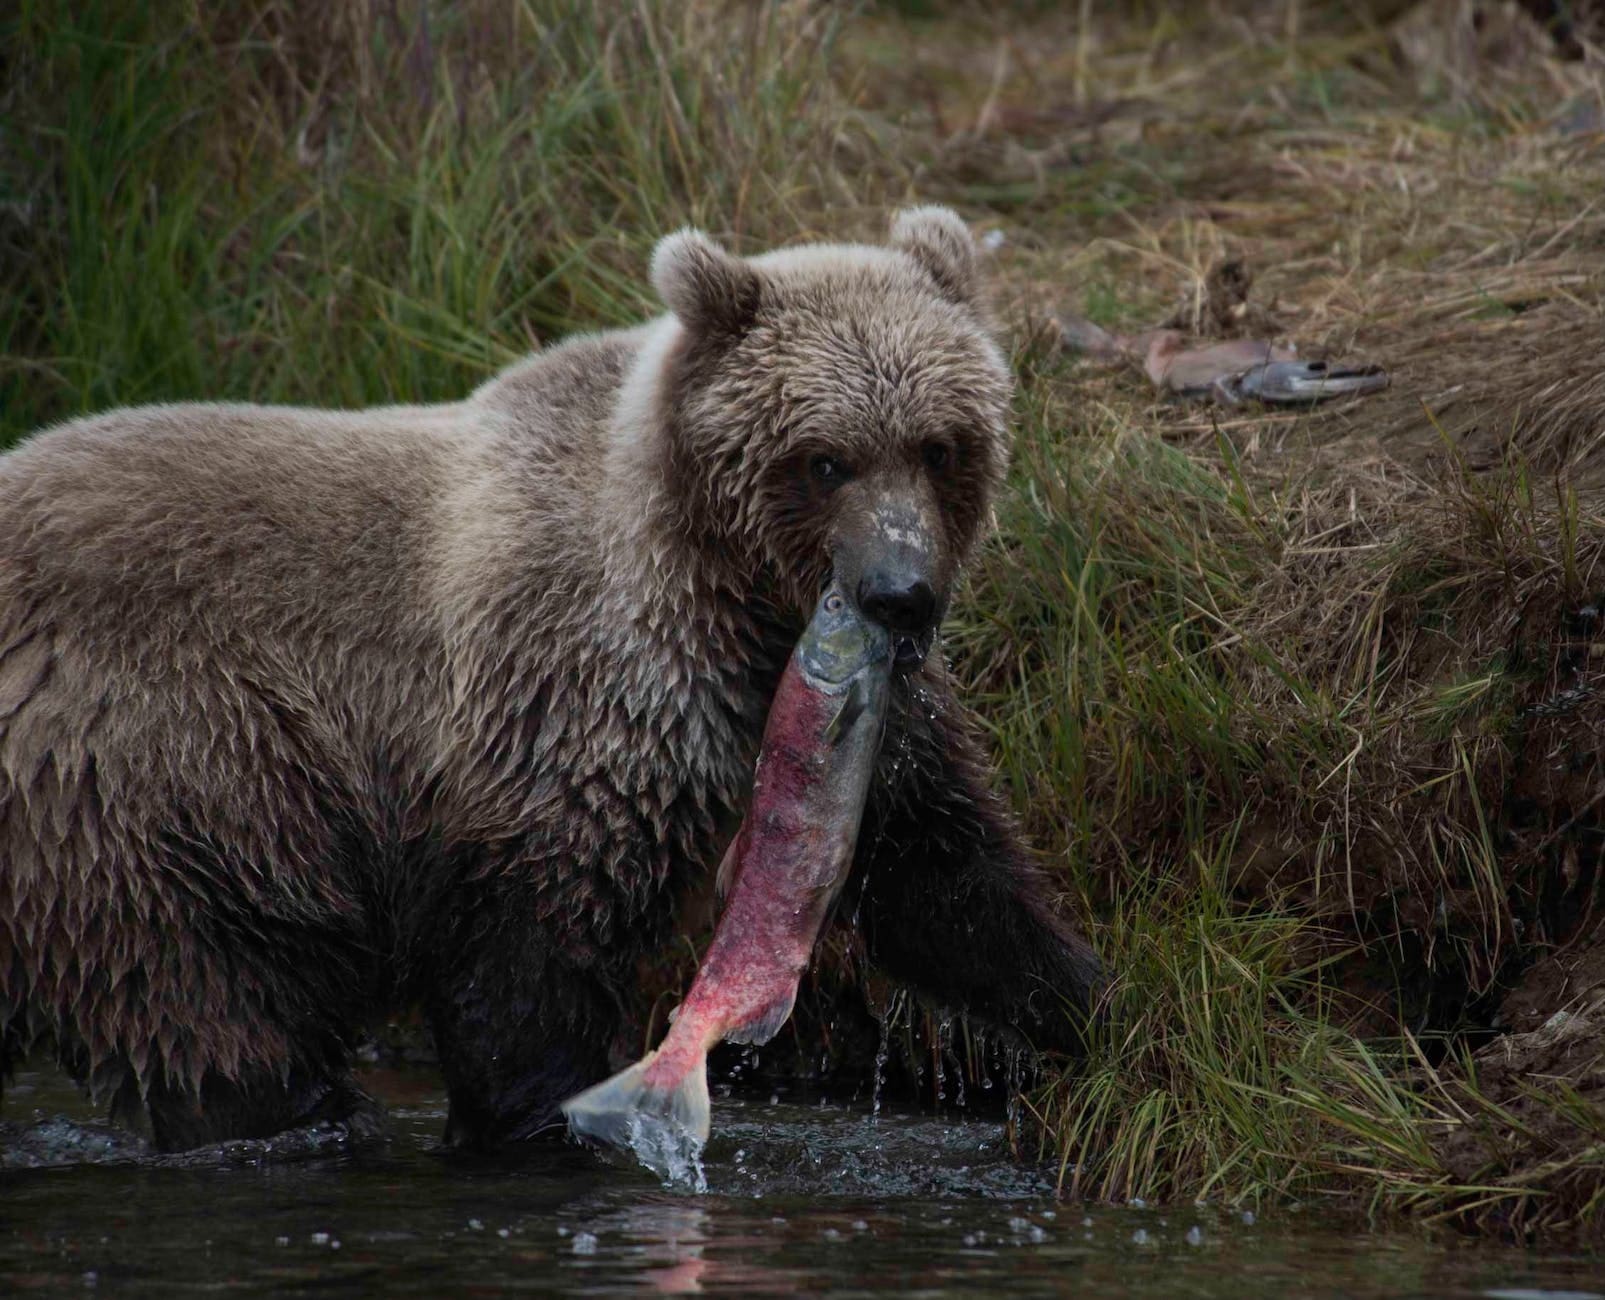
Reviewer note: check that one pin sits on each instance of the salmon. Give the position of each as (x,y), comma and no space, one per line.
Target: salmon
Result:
(782,874)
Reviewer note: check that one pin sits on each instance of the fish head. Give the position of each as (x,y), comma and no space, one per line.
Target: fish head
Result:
(840,645)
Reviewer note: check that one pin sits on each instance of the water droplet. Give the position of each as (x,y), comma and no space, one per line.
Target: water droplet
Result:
(1140,1237)
(584,1244)
(1248,1217)
(1195,1236)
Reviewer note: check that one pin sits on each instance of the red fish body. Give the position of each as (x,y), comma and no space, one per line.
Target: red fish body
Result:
(781,874)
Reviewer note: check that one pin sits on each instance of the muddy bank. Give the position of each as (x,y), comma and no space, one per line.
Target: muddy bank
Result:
(1527,1112)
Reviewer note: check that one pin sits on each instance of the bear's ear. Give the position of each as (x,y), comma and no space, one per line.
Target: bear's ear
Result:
(710,291)
(938,240)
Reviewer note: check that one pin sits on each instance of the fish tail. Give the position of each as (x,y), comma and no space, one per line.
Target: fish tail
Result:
(623,1110)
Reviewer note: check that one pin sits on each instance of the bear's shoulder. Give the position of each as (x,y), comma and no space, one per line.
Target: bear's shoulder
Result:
(569,386)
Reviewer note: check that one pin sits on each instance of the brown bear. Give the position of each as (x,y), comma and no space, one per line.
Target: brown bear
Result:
(307,714)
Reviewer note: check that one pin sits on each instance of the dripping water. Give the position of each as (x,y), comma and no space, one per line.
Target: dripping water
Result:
(944,1029)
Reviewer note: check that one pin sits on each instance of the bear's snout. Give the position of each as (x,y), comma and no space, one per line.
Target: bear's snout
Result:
(906,606)
(899,602)
(889,560)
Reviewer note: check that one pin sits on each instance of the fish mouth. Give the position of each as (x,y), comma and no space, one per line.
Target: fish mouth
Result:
(909,651)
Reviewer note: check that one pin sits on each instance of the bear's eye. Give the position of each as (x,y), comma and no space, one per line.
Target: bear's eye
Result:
(938,456)
(829,470)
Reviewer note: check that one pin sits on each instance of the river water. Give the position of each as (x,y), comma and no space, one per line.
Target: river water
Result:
(804,1198)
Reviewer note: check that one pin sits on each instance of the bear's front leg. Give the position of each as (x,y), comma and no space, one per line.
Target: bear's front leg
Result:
(950,902)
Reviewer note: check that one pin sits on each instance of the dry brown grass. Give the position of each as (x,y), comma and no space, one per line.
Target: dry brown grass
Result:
(1459,241)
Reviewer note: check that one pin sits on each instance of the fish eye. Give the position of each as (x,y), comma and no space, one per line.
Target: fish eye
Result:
(833,603)
(829,470)
(937,456)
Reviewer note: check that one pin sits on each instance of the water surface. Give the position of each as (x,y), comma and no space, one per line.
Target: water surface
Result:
(804,1198)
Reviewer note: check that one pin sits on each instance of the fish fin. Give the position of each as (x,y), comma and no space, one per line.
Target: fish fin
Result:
(767,1023)
(631,1113)
(854,702)
(729,869)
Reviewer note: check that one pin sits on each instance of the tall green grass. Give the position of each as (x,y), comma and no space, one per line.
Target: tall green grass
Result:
(258,202)
(1222,1060)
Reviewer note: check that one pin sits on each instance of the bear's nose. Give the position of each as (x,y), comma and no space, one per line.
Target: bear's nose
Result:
(898,604)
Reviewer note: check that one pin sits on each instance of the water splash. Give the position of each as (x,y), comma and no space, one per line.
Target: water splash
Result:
(1015,1064)
(883,1052)
(843,1151)
(963,1062)
(668,1149)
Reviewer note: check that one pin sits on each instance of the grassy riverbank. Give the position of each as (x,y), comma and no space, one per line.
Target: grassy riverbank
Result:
(1301,706)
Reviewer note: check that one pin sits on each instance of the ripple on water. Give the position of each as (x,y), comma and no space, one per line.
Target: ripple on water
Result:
(56,1140)
(851,1153)
(803,1198)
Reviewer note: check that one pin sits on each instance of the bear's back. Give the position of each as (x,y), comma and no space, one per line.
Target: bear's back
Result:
(217,579)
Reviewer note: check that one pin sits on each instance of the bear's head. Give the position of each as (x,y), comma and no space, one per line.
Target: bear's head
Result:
(835,409)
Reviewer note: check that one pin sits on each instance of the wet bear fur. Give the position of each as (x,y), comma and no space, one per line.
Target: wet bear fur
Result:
(306,715)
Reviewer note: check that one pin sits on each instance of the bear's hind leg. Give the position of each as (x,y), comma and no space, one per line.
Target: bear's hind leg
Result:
(519,1031)
(262,1104)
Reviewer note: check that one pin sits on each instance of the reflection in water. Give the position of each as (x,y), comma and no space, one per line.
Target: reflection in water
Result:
(667,1242)
(669,1236)
(803,1199)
